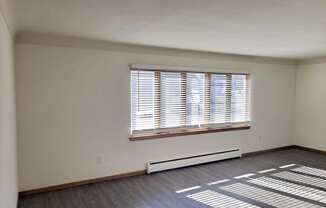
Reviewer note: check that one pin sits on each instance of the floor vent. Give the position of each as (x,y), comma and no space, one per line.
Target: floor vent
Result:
(192,160)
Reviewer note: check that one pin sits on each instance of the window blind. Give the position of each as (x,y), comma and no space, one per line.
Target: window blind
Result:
(173,96)
(165,100)
(142,100)
(195,99)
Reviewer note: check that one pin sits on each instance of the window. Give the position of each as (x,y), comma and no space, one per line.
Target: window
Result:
(170,103)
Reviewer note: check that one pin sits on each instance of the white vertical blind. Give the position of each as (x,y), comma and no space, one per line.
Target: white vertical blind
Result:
(195,98)
(172,100)
(239,98)
(164,100)
(142,100)
(218,99)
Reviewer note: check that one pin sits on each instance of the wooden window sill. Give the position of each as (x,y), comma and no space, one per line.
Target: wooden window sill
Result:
(185,132)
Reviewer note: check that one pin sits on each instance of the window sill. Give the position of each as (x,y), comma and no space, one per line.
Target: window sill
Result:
(185,132)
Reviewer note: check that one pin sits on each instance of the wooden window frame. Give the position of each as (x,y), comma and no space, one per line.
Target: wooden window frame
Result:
(186,131)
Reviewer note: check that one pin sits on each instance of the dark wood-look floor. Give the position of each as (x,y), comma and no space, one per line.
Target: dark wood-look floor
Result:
(159,190)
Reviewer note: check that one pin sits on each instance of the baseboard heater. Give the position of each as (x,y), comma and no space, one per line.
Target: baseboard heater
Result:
(192,160)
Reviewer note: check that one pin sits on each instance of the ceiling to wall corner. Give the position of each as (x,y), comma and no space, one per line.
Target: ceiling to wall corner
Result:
(273,28)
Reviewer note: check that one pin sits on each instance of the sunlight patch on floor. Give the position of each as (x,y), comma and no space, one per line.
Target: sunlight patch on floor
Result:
(217,200)
(274,189)
(291,188)
(287,166)
(267,197)
(267,171)
(187,189)
(218,182)
(295,177)
(244,176)
(310,171)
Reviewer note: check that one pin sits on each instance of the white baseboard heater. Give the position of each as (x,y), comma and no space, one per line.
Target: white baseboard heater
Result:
(192,160)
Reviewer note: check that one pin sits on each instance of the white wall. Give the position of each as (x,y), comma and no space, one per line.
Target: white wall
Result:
(311,105)
(73,106)
(7,8)
(8,150)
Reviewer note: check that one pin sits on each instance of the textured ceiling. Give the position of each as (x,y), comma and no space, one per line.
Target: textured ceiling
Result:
(274,28)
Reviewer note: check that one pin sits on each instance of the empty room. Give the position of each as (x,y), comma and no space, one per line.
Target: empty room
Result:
(162,103)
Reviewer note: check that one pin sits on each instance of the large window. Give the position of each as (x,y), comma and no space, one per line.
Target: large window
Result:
(165,103)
